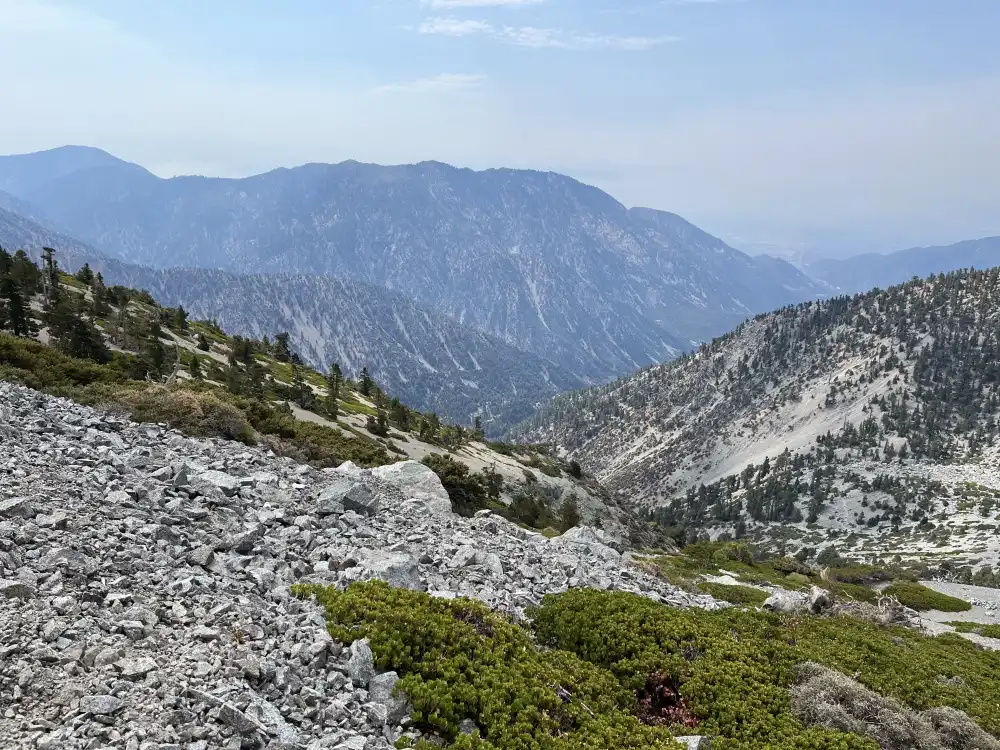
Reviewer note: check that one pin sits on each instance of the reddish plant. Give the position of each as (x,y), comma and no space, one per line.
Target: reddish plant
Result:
(661,704)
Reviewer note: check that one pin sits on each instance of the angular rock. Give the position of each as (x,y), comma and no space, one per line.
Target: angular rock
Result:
(16,507)
(380,690)
(16,589)
(229,484)
(416,482)
(397,569)
(361,665)
(101,705)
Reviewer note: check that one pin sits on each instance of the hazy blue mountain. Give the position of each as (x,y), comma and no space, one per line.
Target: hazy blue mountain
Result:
(863,272)
(538,260)
(425,358)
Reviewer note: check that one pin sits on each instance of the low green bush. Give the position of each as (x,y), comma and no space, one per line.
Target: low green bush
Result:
(921,598)
(985,630)
(733,552)
(458,660)
(735,594)
(734,667)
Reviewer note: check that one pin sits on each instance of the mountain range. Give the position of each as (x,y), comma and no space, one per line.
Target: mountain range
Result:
(465,292)
(538,260)
(425,358)
(860,273)
(874,416)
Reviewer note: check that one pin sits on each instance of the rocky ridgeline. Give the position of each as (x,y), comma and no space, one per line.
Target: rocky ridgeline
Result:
(145,576)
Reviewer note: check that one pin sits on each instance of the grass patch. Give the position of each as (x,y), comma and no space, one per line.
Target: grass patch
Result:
(735,594)
(194,408)
(985,630)
(921,598)
(602,663)
(458,660)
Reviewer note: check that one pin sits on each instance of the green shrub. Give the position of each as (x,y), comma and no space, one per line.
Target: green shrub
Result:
(789,565)
(798,579)
(858,573)
(734,667)
(921,598)
(735,552)
(735,594)
(466,489)
(458,660)
(985,630)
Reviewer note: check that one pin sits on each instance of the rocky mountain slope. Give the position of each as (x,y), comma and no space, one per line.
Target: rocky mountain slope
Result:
(859,273)
(844,415)
(538,260)
(145,584)
(427,359)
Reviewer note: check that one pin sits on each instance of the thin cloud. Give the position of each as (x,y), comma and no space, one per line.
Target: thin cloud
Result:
(541,38)
(443,83)
(443,4)
(448,26)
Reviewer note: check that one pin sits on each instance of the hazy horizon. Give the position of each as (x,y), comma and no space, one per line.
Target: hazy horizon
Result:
(779,125)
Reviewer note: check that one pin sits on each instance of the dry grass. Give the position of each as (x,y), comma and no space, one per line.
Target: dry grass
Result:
(833,700)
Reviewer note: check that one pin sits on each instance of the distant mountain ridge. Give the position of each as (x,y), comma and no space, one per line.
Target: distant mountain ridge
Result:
(538,260)
(860,273)
(429,360)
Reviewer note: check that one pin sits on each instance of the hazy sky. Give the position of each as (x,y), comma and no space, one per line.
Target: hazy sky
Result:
(780,120)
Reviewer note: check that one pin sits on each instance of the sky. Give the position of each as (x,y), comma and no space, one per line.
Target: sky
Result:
(833,125)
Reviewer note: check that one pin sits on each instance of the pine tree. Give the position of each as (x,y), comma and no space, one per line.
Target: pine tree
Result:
(203,344)
(194,368)
(282,348)
(85,275)
(334,379)
(365,383)
(180,319)
(569,513)
(400,414)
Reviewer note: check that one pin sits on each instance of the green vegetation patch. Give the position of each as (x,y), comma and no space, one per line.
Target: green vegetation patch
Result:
(985,630)
(610,669)
(458,660)
(921,598)
(733,668)
(735,594)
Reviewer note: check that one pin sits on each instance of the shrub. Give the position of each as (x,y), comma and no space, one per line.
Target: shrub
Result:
(828,698)
(467,490)
(735,594)
(733,668)
(987,631)
(789,565)
(921,598)
(858,573)
(458,660)
(735,552)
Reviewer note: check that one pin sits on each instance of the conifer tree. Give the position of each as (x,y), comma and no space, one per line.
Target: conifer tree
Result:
(365,383)
(203,344)
(195,368)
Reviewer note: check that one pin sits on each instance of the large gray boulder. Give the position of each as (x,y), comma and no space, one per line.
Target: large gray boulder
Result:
(786,602)
(416,482)
(381,690)
(398,569)
(345,493)
(361,665)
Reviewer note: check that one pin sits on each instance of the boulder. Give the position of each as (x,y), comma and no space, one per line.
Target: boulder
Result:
(361,665)
(416,482)
(785,601)
(381,689)
(229,484)
(101,705)
(819,599)
(16,589)
(343,494)
(397,569)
